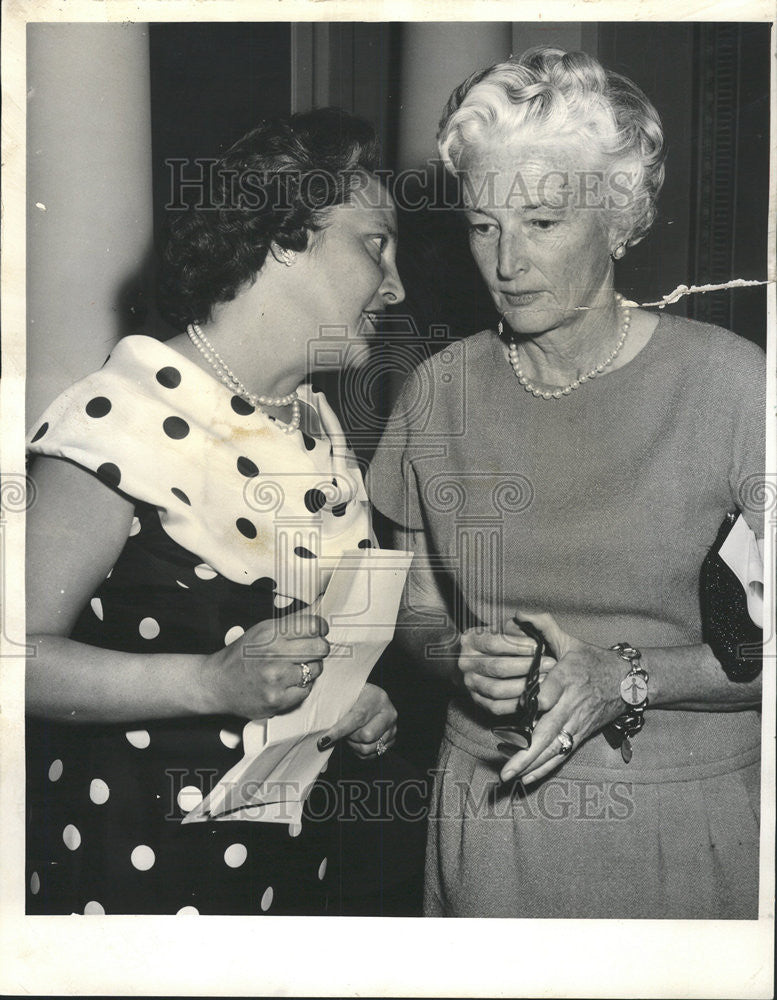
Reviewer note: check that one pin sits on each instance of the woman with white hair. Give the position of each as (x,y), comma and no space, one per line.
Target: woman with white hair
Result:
(563,477)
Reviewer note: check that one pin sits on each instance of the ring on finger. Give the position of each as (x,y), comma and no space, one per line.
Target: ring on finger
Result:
(380,747)
(307,676)
(567,742)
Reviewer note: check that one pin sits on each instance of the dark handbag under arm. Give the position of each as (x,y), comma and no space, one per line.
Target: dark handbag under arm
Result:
(726,625)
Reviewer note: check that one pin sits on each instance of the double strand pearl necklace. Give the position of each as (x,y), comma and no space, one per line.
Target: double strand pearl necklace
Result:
(567,389)
(228,378)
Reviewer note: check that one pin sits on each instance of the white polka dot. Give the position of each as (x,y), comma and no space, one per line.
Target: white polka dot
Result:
(267,899)
(322,870)
(188,911)
(234,633)
(35,883)
(229,739)
(189,798)
(149,628)
(295,829)
(99,792)
(97,607)
(135,526)
(280,601)
(235,855)
(185,587)
(56,769)
(143,858)
(94,907)
(205,572)
(72,837)
(139,738)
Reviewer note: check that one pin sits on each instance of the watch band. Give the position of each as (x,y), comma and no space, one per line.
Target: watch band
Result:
(634,692)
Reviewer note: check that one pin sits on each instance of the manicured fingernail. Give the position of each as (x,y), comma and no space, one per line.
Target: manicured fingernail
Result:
(324,743)
(528,779)
(508,775)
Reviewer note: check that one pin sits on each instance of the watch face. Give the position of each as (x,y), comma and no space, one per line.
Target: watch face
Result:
(634,689)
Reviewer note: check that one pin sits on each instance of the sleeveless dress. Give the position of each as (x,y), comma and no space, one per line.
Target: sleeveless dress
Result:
(235,523)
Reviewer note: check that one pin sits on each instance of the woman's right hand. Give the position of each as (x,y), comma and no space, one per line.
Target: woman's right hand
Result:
(492,666)
(259,675)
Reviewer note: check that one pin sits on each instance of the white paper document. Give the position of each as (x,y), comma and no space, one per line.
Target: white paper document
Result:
(740,553)
(281,758)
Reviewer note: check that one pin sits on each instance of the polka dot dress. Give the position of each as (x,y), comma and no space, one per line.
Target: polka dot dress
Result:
(105,803)
(251,501)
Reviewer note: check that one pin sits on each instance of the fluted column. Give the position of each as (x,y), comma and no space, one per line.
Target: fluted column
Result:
(89,201)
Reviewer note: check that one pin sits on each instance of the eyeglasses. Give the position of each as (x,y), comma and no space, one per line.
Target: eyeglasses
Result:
(514,732)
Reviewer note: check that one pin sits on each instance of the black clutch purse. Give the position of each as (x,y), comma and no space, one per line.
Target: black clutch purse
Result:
(726,625)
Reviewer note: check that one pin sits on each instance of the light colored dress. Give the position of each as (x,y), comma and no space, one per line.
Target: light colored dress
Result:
(598,507)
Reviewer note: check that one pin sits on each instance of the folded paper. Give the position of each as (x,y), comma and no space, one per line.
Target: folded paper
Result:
(741,554)
(281,757)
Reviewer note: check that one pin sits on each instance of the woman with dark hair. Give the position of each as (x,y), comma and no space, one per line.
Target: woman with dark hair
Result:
(566,474)
(207,492)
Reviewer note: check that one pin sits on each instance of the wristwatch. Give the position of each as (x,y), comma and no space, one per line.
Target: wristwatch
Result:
(634,692)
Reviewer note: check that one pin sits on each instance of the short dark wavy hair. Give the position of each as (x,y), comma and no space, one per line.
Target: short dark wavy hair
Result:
(276,185)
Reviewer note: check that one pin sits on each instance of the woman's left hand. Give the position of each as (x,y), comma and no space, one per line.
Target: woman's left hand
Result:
(581,694)
(369,728)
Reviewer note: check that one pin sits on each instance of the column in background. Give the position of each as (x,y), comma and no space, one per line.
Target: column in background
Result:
(436,57)
(574,36)
(89,211)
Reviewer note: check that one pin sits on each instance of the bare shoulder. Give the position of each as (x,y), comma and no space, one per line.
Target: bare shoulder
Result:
(75,491)
(76,528)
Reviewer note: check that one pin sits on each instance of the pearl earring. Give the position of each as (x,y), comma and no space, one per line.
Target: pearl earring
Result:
(619,252)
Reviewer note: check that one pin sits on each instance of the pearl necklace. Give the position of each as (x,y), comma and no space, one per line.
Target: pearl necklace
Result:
(228,378)
(567,389)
